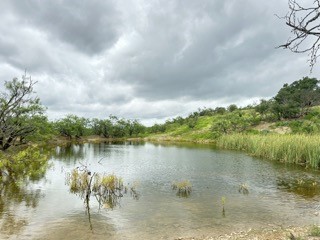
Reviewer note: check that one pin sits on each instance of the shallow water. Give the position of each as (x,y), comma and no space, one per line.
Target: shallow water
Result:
(279,195)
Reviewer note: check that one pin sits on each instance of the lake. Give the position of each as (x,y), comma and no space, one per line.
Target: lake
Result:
(279,195)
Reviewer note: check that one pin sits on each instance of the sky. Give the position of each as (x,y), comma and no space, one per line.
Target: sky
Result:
(150,60)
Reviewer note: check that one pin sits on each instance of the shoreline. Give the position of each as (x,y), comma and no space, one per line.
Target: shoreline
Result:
(268,233)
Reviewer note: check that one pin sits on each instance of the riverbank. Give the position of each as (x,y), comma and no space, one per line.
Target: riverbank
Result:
(278,233)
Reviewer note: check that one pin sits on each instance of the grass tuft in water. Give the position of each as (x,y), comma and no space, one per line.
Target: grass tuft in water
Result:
(243,188)
(184,188)
(108,189)
(223,203)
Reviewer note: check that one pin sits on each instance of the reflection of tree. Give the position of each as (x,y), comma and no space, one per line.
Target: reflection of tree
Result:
(307,188)
(70,153)
(11,196)
(105,148)
(16,172)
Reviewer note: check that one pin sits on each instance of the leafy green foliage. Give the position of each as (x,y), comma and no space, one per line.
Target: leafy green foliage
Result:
(18,109)
(297,149)
(296,99)
(232,108)
(72,126)
(315,231)
(116,128)
(237,121)
(30,163)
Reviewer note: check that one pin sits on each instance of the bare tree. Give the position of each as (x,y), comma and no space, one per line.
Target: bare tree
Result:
(304,22)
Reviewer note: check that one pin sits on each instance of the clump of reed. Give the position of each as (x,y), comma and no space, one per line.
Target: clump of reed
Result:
(298,149)
(78,181)
(183,188)
(108,189)
(223,203)
(243,188)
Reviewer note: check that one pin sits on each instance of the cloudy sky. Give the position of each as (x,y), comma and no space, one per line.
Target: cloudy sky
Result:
(147,59)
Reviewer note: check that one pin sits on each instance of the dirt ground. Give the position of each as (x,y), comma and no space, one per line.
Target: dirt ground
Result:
(291,233)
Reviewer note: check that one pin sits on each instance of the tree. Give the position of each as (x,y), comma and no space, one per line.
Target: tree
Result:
(18,106)
(72,125)
(263,107)
(232,107)
(220,110)
(304,22)
(296,99)
(134,127)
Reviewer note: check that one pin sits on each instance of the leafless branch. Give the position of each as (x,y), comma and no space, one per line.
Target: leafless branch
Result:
(305,28)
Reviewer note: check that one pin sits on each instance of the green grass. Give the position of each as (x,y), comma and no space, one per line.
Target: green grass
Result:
(315,231)
(297,149)
(243,130)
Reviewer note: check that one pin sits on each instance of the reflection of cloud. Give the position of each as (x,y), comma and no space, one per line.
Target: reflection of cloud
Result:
(76,226)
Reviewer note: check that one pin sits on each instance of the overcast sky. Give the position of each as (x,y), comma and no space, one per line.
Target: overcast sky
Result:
(146,59)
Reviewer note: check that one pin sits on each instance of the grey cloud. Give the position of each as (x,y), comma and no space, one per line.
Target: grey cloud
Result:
(89,26)
(215,41)
(147,59)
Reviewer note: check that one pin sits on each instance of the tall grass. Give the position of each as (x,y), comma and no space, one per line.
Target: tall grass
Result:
(297,149)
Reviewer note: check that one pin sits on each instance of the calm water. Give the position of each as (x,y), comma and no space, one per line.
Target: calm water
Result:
(278,195)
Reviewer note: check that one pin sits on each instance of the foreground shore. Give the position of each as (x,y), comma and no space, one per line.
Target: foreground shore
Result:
(289,233)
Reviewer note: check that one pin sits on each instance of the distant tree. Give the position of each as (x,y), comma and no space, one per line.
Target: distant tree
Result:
(157,128)
(178,120)
(120,128)
(135,127)
(304,22)
(44,129)
(206,111)
(18,106)
(102,127)
(220,110)
(263,107)
(72,126)
(192,121)
(232,107)
(295,100)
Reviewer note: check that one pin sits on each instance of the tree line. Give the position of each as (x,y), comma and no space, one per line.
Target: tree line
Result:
(293,101)
(22,117)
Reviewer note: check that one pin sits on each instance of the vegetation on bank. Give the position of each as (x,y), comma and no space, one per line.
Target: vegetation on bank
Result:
(298,149)
(294,111)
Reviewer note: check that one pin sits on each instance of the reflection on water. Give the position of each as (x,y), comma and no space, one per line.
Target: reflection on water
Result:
(15,196)
(277,194)
(70,153)
(305,187)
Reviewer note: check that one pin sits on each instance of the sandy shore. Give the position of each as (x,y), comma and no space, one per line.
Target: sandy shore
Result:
(294,233)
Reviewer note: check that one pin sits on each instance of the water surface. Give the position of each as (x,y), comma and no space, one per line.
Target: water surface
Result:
(279,195)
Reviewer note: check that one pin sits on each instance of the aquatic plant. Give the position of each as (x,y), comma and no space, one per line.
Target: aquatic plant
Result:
(183,188)
(108,189)
(243,188)
(223,202)
(297,149)
(315,231)
(305,187)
